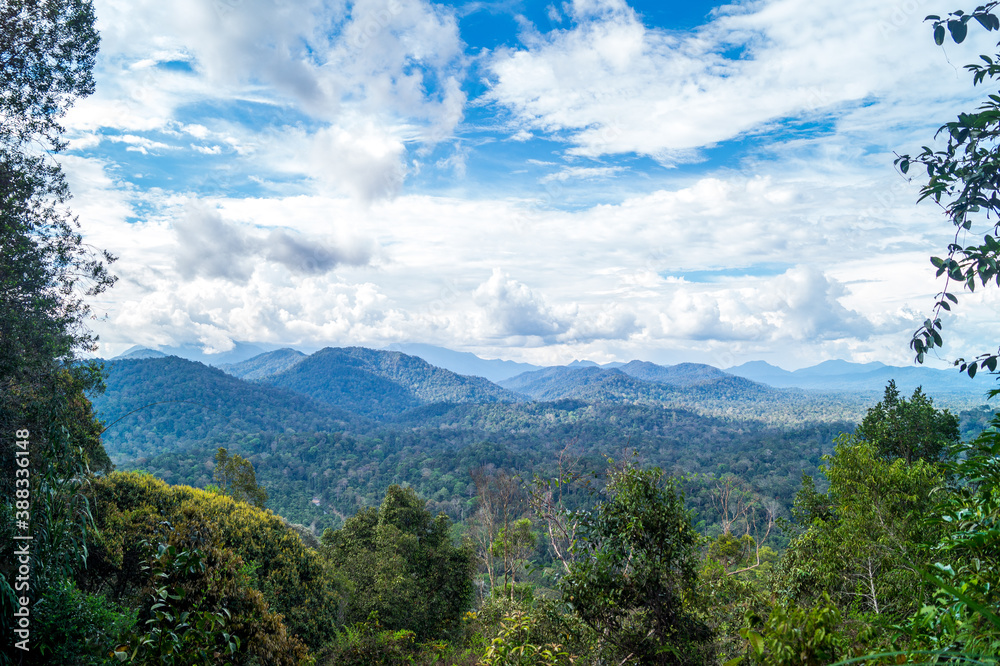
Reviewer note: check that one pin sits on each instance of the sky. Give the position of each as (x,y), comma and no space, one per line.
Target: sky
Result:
(541,182)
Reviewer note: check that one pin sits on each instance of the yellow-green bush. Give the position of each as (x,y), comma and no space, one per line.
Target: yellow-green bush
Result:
(290,579)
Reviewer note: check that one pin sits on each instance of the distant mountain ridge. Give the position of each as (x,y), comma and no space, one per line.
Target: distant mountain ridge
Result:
(637,381)
(263,365)
(378,383)
(464,363)
(839,375)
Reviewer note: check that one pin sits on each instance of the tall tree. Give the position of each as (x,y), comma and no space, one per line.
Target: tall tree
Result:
(908,429)
(47,52)
(235,477)
(401,564)
(633,577)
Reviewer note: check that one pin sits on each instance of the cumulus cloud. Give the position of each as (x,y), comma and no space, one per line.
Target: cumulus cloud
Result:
(211,247)
(801,304)
(510,309)
(305,257)
(363,160)
(319,310)
(313,67)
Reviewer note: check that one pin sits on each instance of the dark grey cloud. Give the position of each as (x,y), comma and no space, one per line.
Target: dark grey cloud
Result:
(211,247)
(304,257)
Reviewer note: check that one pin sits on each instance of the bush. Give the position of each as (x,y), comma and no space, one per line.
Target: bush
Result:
(76,628)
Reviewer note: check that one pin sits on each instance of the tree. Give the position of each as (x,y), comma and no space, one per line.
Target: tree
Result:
(633,579)
(402,566)
(512,545)
(964,179)
(962,621)
(46,63)
(47,52)
(235,477)
(908,429)
(864,538)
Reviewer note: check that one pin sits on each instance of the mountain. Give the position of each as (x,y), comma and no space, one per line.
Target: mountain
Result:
(263,365)
(138,352)
(463,363)
(700,388)
(241,351)
(318,478)
(380,383)
(682,374)
(152,404)
(582,382)
(865,377)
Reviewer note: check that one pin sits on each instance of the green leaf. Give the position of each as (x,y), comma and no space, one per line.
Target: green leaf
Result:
(938,39)
(958,30)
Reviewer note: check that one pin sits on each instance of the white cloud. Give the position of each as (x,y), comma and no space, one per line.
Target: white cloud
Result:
(510,308)
(568,173)
(619,86)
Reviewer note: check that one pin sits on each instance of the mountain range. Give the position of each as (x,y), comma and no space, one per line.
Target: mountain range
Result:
(258,360)
(844,376)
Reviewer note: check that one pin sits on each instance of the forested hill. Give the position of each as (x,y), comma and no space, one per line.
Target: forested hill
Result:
(377,383)
(153,405)
(315,478)
(264,365)
(696,387)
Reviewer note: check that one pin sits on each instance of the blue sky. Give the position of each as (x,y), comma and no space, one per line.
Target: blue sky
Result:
(524,180)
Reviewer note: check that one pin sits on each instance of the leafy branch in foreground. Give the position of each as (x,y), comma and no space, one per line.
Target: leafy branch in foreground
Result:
(964,179)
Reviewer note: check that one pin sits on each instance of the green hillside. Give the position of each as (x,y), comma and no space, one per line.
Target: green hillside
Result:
(689,386)
(263,365)
(158,404)
(382,383)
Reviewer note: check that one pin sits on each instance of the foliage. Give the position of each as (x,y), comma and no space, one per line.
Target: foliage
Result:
(513,647)
(529,629)
(401,565)
(367,644)
(633,576)
(236,478)
(794,636)
(179,630)
(76,628)
(513,544)
(908,429)
(863,537)
(964,616)
(962,178)
(47,52)
(290,585)
(48,58)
